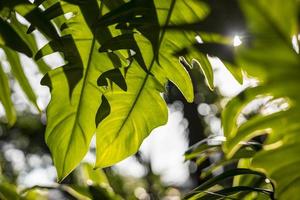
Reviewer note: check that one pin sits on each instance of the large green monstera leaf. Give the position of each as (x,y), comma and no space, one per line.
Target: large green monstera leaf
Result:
(135,112)
(119,57)
(112,82)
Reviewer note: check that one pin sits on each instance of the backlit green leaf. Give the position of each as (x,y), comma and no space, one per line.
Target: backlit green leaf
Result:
(5,98)
(19,74)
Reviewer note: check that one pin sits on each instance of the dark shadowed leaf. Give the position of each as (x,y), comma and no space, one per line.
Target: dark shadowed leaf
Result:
(10,38)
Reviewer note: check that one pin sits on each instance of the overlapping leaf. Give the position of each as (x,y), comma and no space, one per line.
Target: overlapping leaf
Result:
(71,123)
(5,98)
(272,58)
(143,108)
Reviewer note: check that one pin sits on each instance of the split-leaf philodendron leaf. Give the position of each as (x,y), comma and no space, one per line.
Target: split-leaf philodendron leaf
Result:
(89,94)
(118,59)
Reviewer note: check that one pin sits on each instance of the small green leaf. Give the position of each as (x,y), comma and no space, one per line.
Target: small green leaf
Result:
(5,98)
(17,70)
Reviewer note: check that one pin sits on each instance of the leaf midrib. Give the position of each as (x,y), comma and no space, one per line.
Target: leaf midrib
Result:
(85,82)
(151,66)
(78,110)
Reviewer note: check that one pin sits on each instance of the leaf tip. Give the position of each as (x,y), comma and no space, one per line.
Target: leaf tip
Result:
(204,65)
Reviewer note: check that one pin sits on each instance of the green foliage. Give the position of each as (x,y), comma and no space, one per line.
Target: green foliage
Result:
(75,84)
(245,182)
(119,56)
(18,73)
(89,86)
(5,98)
(270,56)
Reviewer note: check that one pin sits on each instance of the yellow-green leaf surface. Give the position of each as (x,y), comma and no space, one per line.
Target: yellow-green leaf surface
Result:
(135,113)
(75,107)
(75,96)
